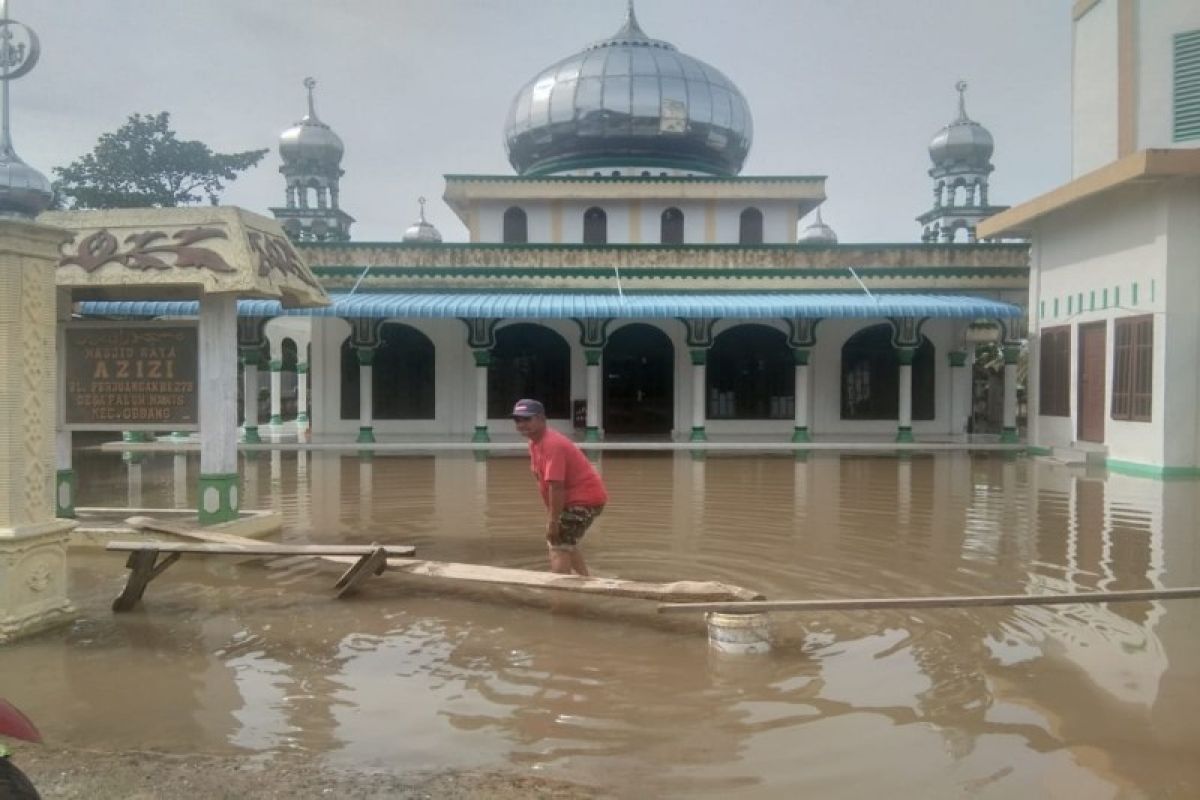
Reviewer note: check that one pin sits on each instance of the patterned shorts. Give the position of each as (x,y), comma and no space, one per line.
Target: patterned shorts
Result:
(573,523)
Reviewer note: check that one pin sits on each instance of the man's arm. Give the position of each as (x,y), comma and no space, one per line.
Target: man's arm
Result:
(557,500)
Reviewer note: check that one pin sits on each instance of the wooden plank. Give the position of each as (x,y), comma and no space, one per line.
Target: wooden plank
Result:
(677,591)
(372,564)
(262,548)
(964,601)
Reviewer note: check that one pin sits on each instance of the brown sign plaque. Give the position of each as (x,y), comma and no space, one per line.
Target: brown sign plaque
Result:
(131,377)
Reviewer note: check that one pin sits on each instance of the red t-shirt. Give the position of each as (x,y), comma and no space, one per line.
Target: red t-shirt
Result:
(554,457)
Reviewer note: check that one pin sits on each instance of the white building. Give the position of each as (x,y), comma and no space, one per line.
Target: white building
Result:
(1115,266)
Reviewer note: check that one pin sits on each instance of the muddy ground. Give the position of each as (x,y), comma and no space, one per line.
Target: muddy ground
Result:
(73,774)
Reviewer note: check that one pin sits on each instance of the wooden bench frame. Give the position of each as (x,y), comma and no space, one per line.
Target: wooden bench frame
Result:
(145,566)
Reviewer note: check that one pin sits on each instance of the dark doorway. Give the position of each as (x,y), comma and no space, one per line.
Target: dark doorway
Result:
(639,381)
(1092,347)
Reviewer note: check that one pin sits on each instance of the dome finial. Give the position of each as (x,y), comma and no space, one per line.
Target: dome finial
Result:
(24,192)
(631,29)
(310,84)
(961,86)
(422,230)
(421,202)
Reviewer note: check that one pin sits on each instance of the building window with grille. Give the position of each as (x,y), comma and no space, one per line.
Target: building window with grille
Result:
(1054,391)
(1133,368)
(1186,86)
(516,226)
(595,226)
(672,226)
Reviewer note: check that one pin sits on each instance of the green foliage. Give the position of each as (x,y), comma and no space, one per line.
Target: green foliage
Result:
(143,164)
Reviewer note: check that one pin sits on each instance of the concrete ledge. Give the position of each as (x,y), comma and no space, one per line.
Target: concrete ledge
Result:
(100,525)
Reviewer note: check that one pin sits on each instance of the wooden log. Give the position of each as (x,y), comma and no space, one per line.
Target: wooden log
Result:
(142,570)
(263,548)
(675,592)
(963,601)
(374,563)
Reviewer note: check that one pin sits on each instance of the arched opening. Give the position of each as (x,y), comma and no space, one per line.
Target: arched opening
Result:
(751,375)
(595,227)
(516,226)
(672,226)
(639,381)
(529,361)
(402,375)
(750,227)
(871,376)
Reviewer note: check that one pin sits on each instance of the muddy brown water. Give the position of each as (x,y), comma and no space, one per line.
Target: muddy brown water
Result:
(1076,701)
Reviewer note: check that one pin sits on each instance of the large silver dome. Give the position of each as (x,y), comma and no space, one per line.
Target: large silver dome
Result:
(310,139)
(629,101)
(963,143)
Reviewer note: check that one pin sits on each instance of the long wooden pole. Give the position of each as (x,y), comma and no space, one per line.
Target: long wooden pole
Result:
(962,601)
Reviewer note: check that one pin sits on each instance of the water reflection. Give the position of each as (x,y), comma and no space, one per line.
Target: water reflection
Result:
(1099,699)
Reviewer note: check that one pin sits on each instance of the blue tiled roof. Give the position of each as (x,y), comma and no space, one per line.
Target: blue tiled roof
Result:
(563,305)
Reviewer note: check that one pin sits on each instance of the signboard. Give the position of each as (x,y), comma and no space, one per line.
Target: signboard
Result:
(130,376)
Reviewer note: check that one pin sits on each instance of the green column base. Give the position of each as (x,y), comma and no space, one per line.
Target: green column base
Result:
(481,434)
(698,434)
(136,437)
(1009,436)
(217,498)
(302,420)
(276,419)
(250,435)
(179,436)
(592,434)
(800,435)
(904,434)
(366,435)
(64,493)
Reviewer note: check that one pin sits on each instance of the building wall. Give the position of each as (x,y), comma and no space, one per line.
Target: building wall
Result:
(638,221)
(1100,260)
(1094,88)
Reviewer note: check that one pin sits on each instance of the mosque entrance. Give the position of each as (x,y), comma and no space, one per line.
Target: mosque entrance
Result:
(639,381)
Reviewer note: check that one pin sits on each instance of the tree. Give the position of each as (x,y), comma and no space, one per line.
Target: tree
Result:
(143,164)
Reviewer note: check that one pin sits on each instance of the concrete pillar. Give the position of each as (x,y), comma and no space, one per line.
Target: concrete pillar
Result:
(1011,355)
(483,360)
(594,358)
(179,478)
(366,425)
(250,358)
(217,489)
(33,543)
(959,394)
(276,367)
(699,390)
(800,434)
(133,483)
(904,426)
(302,397)
(64,480)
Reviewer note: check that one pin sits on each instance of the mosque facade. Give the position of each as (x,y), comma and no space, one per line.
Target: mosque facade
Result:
(633,279)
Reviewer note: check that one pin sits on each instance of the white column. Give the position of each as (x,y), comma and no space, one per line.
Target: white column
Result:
(217,494)
(904,429)
(64,482)
(1009,434)
(302,397)
(366,426)
(179,478)
(699,385)
(249,398)
(801,433)
(482,361)
(276,367)
(593,395)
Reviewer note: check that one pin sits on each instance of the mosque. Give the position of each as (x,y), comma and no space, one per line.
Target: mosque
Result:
(633,279)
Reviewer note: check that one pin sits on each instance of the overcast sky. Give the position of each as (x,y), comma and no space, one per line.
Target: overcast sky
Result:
(849,89)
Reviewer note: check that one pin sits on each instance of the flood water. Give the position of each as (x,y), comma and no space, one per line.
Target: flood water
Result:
(1073,701)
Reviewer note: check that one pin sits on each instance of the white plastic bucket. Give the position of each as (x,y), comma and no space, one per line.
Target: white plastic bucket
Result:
(739,634)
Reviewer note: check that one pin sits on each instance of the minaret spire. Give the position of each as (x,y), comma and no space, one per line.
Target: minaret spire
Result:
(962,101)
(309,84)
(630,29)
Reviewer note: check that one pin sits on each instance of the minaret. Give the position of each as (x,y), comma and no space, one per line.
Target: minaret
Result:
(312,155)
(961,153)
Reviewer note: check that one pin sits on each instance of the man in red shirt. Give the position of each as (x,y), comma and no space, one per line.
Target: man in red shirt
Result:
(570,486)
